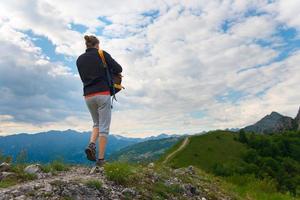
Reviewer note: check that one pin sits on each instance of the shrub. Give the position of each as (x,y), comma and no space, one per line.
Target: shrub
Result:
(54,166)
(164,191)
(46,168)
(242,137)
(274,157)
(7,183)
(222,170)
(93,183)
(58,165)
(121,173)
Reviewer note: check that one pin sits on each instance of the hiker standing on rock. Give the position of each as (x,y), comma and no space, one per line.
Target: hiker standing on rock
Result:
(97,94)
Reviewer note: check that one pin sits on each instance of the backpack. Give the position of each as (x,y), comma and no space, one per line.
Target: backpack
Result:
(114,79)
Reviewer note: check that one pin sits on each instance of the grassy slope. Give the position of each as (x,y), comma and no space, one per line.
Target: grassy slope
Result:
(204,151)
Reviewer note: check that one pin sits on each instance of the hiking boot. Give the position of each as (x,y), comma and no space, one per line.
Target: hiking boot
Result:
(90,152)
(100,162)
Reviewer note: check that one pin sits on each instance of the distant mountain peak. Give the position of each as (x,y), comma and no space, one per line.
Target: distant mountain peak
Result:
(298,114)
(274,122)
(274,113)
(297,119)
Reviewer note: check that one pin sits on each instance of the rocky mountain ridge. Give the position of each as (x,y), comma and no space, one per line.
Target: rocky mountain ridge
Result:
(86,183)
(297,120)
(275,122)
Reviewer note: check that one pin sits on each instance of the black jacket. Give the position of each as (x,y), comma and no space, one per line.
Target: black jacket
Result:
(92,72)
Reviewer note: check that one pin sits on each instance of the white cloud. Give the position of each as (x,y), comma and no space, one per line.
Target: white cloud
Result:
(288,12)
(175,63)
(256,27)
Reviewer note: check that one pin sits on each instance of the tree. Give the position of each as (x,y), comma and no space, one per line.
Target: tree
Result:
(242,136)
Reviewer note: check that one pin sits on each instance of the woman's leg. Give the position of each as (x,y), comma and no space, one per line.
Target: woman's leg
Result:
(104,112)
(91,148)
(93,108)
(102,146)
(94,135)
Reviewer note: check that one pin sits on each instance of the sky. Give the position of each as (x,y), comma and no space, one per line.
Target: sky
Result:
(188,66)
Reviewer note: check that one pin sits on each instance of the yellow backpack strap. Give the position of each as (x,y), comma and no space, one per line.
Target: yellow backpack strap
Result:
(102,57)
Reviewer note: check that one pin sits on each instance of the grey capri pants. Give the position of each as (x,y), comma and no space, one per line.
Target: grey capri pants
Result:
(100,109)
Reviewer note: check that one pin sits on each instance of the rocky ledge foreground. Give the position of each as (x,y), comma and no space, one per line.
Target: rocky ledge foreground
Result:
(80,182)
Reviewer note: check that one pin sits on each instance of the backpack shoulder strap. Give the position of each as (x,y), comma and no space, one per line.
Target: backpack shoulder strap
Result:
(102,57)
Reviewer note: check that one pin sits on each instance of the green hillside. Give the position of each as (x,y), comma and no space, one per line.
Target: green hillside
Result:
(144,152)
(208,150)
(252,166)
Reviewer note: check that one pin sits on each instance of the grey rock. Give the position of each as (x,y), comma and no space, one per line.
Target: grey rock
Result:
(155,177)
(190,169)
(33,169)
(4,167)
(4,175)
(151,165)
(27,188)
(178,171)
(190,190)
(48,187)
(20,197)
(16,193)
(129,191)
(168,182)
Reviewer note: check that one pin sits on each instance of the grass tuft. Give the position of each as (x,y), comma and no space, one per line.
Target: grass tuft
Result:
(121,173)
(54,166)
(93,183)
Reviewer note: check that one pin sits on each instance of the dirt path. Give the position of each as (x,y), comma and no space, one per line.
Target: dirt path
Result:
(184,143)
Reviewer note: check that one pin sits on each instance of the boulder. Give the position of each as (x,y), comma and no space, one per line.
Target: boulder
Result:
(130,191)
(4,175)
(4,167)
(33,169)
(178,171)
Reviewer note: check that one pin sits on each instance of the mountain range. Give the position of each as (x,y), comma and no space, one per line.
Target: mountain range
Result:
(275,122)
(68,145)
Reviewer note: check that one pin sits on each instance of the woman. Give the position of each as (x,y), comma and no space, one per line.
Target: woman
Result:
(97,94)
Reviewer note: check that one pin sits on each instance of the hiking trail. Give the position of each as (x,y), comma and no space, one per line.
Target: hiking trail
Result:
(183,144)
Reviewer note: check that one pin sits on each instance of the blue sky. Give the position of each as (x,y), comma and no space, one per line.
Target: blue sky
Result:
(189,66)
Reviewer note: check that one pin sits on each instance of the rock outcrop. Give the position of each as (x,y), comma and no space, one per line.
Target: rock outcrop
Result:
(84,183)
(4,167)
(297,120)
(33,169)
(66,184)
(272,123)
